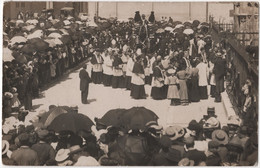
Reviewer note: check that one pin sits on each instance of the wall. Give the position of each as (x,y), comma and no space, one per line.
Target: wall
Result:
(177,10)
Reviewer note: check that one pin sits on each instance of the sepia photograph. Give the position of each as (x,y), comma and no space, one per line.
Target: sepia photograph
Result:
(130,83)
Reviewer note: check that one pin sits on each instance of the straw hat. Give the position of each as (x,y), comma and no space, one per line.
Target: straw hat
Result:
(212,122)
(174,132)
(220,136)
(234,120)
(62,155)
(86,161)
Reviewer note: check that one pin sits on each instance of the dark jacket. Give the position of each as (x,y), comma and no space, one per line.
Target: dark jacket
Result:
(84,79)
(25,156)
(44,151)
(196,156)
(220,68)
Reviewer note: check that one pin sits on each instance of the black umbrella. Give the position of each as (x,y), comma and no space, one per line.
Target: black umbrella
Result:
(40,44)
(112,117)
(48,117)
(137,118)
(71,122)
(28,48)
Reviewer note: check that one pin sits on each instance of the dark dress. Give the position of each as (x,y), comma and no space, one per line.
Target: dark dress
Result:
(137,88)
(28,93)
(159,91)
(194,91)
(118,80)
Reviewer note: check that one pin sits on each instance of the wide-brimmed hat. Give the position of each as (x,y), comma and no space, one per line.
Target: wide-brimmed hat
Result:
(5,146)
(75,149)
(8,95)
(234,120)
(174,132)
(212,122)
(86,161)
(154,124)
(62,155)
(220,136)
(186,162)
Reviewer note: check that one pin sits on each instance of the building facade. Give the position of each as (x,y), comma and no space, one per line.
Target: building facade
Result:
(181,11)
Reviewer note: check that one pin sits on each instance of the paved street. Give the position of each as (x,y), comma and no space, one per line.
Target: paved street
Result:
(102,99)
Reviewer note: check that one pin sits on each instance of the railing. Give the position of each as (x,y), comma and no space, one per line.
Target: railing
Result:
(241,64)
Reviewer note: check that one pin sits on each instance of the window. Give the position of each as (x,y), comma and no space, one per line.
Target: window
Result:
(22,4)
(17,4)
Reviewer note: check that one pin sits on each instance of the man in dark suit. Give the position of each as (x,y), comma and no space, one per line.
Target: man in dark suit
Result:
(84,84)
(220,72)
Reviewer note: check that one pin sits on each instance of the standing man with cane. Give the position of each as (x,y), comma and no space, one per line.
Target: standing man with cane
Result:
(84,84)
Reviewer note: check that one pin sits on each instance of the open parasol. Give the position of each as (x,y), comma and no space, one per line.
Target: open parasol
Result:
(40,44)
(137,118)
(28,48)
(188,31)
(160,30)
(7,55)
(35,34)
(55,35)
(48,117)
(32,21)
(74,122)
(18,39)
(112,117)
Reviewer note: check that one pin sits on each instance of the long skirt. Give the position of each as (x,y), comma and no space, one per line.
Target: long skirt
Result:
(183,91)
(158,93)
(194,95)
(96,77)
(203,92)
(128,83)
(28,102)
(107,80)
(117,81)
(137,92)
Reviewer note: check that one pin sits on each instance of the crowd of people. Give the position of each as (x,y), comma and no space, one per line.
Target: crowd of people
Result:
(203,143)
(179,61)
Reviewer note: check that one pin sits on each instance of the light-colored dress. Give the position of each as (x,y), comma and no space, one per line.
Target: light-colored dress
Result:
(173,92)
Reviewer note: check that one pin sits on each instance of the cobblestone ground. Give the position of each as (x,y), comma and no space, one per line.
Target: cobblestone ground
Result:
(102,99)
